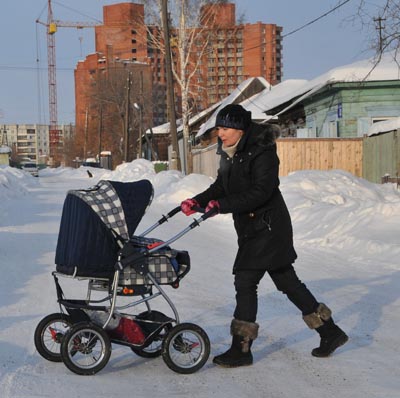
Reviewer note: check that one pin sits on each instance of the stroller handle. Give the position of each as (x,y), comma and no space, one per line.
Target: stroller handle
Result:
(206,214)
(162,220)
(174,211)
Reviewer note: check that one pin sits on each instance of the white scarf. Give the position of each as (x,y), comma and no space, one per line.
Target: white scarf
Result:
(231,150)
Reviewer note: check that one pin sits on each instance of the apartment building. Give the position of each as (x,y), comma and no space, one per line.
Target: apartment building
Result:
(234,52)
(31,141)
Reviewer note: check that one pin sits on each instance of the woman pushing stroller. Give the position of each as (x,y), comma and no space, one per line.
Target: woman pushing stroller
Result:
(247,185)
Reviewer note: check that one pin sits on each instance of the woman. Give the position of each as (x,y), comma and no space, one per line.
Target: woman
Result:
(247,186)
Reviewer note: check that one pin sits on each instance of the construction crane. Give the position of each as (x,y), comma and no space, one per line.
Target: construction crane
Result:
(52,25)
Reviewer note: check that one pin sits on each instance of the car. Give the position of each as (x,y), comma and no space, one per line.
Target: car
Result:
(31,168)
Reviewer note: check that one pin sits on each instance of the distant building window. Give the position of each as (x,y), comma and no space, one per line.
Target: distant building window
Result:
(133,32)
(134,50)
(133,41)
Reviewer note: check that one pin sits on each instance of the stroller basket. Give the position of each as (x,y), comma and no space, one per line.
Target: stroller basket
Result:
(167,266)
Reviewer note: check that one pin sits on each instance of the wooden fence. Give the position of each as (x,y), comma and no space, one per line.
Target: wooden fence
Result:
(298,154)
(320,154)
(381,157)
(367,157)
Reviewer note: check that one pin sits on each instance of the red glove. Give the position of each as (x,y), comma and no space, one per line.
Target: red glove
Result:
(213,205)
(186,206)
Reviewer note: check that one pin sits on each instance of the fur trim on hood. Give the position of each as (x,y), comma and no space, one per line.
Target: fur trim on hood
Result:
(262,135)
(266,134)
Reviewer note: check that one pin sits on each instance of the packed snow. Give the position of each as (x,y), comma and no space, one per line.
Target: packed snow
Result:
(346,234)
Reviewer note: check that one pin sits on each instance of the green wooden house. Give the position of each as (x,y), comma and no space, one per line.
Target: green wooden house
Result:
(342,103)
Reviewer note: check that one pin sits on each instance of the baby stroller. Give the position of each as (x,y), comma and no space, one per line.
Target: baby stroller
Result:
(97,245)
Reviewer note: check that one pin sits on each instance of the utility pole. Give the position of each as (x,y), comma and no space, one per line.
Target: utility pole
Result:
(175,159)
(100,129)
(140,109)
(380,27)
(86,133)
(127,110)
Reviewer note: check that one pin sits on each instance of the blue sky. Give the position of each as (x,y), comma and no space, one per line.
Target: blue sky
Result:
(326,44)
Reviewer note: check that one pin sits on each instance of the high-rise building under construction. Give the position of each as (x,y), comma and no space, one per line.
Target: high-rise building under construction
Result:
(230,53)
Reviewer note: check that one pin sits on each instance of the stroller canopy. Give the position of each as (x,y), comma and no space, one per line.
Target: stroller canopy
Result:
(92,222)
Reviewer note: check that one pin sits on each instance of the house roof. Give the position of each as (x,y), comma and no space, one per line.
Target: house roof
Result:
(236,97)
(360,71)
(164,128)
(271,97)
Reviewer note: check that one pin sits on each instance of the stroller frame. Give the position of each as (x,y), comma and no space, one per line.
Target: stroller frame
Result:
(166,333)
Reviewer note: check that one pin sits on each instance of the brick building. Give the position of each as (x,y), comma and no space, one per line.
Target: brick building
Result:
(233,53)
(236,53)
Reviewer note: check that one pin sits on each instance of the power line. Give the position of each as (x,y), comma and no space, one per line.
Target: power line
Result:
(30,68)
(316,19)
(301,27)
(78,12)
(7,67)
(291,33)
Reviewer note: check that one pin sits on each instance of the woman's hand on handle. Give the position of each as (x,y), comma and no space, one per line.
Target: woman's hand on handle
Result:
(212,208)
(187,206)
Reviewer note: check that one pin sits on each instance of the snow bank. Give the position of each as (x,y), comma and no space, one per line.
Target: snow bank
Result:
(14,182)
(169,186)
(339,210)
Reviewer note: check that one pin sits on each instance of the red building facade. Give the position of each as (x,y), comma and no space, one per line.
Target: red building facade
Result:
(234,52)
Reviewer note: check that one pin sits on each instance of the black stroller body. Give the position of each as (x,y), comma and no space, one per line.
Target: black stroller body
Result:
(97,245)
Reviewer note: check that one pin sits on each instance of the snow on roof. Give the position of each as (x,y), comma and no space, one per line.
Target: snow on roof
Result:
(271,97)
(384,127)
(160,129)
(230,99)
(365,70)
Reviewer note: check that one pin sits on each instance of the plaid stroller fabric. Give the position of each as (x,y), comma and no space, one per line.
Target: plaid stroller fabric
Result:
(165,265)
(105,202)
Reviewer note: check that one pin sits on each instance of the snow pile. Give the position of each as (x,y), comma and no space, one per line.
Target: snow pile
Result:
(337,209)
(14,182)
(169,186)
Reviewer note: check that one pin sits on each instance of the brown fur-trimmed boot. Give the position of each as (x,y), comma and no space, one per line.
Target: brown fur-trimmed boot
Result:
(331,335)
(239,354)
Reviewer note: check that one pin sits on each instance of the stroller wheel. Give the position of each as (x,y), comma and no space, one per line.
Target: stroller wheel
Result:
(186,348)
(85,349)
(49,334)
(154,349)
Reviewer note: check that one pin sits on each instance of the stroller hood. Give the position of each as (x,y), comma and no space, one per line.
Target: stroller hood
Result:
(92,222)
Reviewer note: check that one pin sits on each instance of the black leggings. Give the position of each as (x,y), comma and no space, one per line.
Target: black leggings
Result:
(286,281)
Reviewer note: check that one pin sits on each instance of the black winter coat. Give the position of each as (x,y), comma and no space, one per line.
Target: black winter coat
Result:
(247,186)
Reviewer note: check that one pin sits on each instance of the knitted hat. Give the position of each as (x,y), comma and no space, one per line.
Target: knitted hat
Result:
(233,116)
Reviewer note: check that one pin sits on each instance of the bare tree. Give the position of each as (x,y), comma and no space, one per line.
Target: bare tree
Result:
(114,123)
(190,34)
